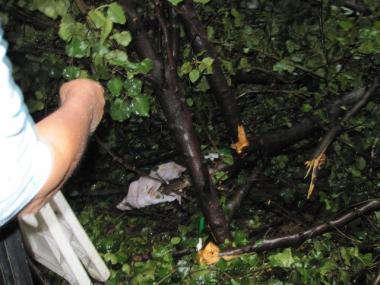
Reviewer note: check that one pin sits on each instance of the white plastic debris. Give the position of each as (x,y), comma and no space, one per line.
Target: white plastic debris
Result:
(199,244)
(212,156)
(144,191)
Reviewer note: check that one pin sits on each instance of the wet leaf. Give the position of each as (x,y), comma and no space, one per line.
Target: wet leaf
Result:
(97,18)
(124,38)
(140,105)
(116,13)
(71,72)
(117,57)
(115,85)
(194,75)
(120,110)
(77,48)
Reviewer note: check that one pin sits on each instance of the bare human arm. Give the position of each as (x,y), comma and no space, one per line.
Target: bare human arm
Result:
(66,132)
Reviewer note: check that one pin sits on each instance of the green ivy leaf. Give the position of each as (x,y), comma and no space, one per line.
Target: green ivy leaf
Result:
(140,105)
(203,85)
(306,108)
(185,68)
(244,64)
(117,57)
(361,163)
(97,18)
(346,25)
(238,18)
(126,268)
(66,28)
(206,65)
(194,75)
(175,2)
(145,66)
(282,259)
(115,85)
(175,240)
(105,30)
(327,267)
(141,67)
(355,172)
(35,105)
(116,13)
(283,65)
(110,257)
(133,87)
(124,38)
(53,8)
(227,156)
(291,46)
(120,110)
(71,72)
(189,102)
(202,1)
(77,48)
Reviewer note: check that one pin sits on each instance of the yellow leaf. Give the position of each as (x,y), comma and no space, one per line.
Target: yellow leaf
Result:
(242,140)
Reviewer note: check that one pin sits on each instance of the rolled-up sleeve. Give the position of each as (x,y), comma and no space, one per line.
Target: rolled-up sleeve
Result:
(25,161)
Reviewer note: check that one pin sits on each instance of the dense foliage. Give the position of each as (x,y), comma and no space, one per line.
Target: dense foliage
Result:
(285,61)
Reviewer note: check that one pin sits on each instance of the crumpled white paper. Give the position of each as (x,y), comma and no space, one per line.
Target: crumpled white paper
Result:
(144,191)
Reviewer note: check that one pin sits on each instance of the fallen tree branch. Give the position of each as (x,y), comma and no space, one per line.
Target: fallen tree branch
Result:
(234,203)
(377,279)
(298,238)
(319,155)
(273,142)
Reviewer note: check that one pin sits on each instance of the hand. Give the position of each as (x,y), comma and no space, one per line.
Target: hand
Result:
(87,91)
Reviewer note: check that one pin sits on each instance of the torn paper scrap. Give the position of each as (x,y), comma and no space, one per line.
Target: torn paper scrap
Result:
(144,191)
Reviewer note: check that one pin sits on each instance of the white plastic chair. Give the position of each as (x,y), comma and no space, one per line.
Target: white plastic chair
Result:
(56,239)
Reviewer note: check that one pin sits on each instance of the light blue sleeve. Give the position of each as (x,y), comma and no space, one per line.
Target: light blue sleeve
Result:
(25,161)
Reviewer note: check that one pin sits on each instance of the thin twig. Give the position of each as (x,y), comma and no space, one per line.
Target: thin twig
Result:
(123,163)
(82,6)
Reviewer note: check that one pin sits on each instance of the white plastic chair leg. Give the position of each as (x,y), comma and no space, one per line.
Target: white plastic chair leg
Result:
(56,239)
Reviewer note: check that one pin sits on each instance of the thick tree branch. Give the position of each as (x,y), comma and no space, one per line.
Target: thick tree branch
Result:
(273,142)
(297,239)
(197,34)
(143,44)
(179,118)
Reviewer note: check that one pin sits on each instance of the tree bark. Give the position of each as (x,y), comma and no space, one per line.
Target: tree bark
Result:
(166,89)
(197,35)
